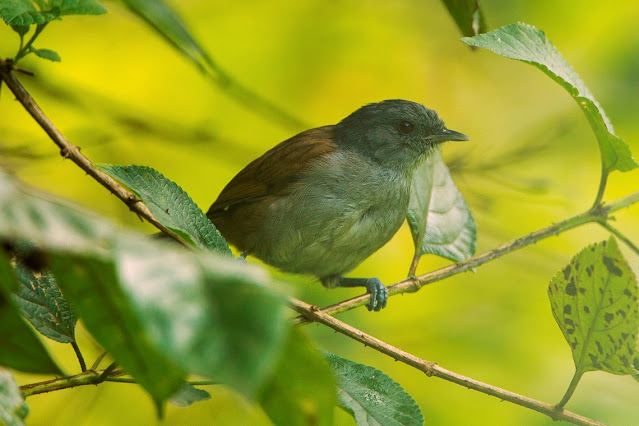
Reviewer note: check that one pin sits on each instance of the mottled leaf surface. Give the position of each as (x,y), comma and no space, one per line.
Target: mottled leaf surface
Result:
(468,16)
(439,218)
(302,389)
(528,44)
(187,395)
(170,204)
(13,409)
(371,396)
(594,300)
(41,302)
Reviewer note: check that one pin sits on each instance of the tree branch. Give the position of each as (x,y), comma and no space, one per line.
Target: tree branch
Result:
(413,284)
(89,377)
(432,369)
(72,152)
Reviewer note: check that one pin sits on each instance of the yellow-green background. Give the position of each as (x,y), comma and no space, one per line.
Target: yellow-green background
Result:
(126,97)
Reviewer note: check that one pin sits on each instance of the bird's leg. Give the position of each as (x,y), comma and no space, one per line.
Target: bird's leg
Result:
(377,290)
(242,257)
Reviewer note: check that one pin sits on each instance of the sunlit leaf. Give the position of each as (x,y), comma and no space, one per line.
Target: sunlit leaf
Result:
(78,7)
(468,16)
(23,13)
(439,218)
(528,44)
(187,395)
(373,398)
(41,302)
(20,348)
(13,409)
(170,205)
(594,300)
(302,389)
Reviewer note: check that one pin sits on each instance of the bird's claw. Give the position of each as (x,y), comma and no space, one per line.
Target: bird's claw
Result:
(379,294)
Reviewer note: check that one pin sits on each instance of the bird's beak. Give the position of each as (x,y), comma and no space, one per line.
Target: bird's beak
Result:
(448,135)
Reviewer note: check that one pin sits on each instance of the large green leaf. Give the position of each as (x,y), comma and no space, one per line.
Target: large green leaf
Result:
(528,44)
(13,409)
(22,13)
(20,348)
(78,7)
(468,16)
(170,205)
(41,302)
(373,398)
(594,300)
(439,218)
(302,390)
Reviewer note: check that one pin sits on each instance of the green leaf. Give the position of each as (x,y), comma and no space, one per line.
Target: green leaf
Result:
(23,13)
(187,395)
(13,409)
(78,7)
(45,54)
(92,286)
(41,302)
(439,218)
(371,396)
(594,300)
(302,389)
(170,205)
(20,29)
(468,16)
(527,44)
(20,348)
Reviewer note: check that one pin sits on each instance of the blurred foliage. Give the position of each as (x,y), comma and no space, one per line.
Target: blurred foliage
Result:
(126,97)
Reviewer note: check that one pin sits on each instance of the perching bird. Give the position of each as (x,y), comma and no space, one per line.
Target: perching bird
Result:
(324,200)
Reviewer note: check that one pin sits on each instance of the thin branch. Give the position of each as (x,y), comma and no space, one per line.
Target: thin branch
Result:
(78,354)
(89,377)
(72,152)
(619,235)
(432,369)
(413,284)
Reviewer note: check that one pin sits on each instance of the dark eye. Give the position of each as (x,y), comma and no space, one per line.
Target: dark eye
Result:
(405,127)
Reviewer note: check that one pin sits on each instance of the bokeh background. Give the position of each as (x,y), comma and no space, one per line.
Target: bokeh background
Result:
(126,97)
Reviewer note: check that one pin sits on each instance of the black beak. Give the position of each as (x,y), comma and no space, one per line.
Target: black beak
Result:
(448,135)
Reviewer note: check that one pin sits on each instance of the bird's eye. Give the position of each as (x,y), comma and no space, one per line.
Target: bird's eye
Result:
(405,127)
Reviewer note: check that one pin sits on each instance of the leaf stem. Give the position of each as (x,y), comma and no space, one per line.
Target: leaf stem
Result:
(619,235)
(571,389)
(24,50)
(78,354)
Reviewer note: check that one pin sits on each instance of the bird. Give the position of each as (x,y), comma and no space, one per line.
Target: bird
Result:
(324,200)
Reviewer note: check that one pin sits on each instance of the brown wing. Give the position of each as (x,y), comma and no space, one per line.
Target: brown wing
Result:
(266,177)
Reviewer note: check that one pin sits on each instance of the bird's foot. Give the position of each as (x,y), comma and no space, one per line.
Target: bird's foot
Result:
(377,290)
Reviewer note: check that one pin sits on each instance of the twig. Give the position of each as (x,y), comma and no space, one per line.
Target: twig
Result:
(72,152)
(413,284)
(619,235)
(78,354)
(89,377)
(432,369)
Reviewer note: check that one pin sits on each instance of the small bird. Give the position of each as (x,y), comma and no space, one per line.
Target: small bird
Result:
(324,200)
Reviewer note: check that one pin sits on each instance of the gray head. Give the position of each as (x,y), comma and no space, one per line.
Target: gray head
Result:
(394,132)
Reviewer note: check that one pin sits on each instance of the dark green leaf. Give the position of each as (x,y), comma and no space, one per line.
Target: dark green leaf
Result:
(91,284)
(188,395)
(20,348)
(20,29)
(371,396)
(527,44)
(170,205)
(45,54)
(23,13)
(594,300)
(468,16)
(13,409)
(41,302)
(78,7)
(302,390)
(439,218)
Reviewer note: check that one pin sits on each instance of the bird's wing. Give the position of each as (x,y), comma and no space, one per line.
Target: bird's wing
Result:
(272,173)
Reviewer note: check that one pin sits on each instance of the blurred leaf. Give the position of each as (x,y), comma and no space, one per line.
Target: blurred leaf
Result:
(20,348)
(13,409)
(23,13)
(594,300)
(302,390)
(170,205)
(468,16)
(527,44)
(78,7)
(187,395)
(45,54)
(439,218)
(42,304)
(92,286)
(371,396)
(46,222)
